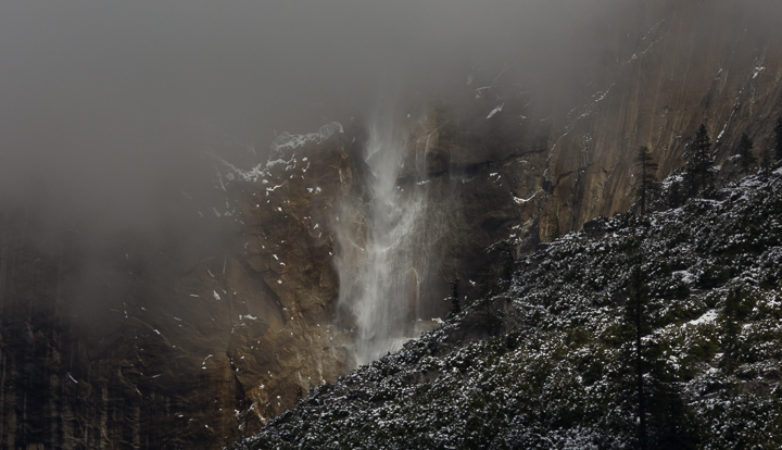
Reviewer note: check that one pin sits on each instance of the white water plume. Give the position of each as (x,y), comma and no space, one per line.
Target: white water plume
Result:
(383,250)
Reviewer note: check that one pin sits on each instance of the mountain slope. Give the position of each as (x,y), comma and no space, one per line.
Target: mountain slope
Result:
(550,362)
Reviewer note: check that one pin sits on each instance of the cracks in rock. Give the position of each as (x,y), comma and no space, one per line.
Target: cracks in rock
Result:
(241,394)
(466,170)
(266,290)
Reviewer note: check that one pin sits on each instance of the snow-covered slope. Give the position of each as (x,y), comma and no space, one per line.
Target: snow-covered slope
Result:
(549,362)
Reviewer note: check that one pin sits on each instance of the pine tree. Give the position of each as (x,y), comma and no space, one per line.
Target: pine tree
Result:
(664,420)
(745,151)
(676,194)
(454,298)
(778,132)
(634,314)
(647,182)
(698,173)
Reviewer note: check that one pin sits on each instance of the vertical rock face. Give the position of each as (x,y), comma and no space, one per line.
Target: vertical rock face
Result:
(147,343)
(564,164)
(286,341)
(716,66)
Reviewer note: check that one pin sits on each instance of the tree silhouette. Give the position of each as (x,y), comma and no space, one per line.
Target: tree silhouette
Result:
(664,420)
(454,298)
(745,151)
(635,315)
(698,173)
(647,182)
(676,194)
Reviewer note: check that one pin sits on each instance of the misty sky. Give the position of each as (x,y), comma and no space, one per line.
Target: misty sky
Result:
(102,102)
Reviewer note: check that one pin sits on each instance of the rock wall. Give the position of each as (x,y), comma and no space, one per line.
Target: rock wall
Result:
(716,66)
(683,64)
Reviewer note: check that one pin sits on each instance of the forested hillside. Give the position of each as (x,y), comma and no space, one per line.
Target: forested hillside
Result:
(553,359)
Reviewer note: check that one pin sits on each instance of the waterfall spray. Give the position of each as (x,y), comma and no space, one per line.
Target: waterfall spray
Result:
(383,251)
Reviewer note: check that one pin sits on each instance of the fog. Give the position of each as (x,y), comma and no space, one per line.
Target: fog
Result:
(103,105)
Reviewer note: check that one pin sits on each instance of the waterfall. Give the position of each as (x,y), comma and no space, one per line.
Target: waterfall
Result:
(383,248)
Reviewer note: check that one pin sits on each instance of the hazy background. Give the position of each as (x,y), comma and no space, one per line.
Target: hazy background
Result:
(102,104)
(105,104)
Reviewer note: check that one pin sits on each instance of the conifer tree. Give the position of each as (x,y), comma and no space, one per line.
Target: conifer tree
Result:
(745,151)
(676,194)
(454,298)
(664,420)
(647,182)
(635,314)
(698,174)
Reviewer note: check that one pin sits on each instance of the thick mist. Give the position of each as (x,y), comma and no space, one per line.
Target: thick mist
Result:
(109,110)
(103,105)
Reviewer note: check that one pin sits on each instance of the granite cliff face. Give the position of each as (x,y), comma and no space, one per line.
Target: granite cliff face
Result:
(565,164)
(693,66)
(181,348)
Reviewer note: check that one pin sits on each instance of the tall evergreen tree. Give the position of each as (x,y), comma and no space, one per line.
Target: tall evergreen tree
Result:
(647,182)
(634,314)
(664,420)
(698,173)
(745,151)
